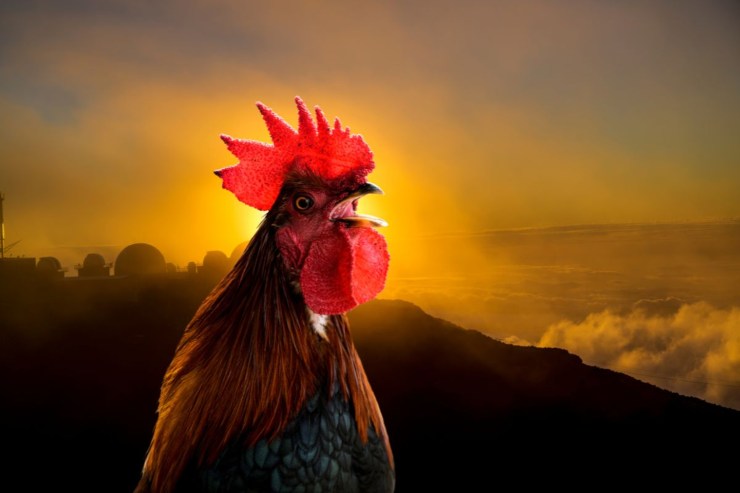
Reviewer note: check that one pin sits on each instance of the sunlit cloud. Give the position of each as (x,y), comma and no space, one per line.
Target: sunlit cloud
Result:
(694,350)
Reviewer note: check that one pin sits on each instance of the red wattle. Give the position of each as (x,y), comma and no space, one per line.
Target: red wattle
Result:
(344,269)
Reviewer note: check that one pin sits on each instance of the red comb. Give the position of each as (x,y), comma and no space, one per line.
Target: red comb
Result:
(330,153)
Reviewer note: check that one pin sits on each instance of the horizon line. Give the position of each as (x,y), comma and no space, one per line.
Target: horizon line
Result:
(583,227)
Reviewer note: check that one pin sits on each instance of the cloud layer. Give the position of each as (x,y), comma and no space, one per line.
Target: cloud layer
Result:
(694,350)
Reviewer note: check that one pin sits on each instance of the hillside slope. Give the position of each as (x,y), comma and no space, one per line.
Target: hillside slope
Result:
(80,369)
(460,406)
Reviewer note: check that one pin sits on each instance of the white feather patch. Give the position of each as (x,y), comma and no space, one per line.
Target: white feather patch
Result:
(318,322)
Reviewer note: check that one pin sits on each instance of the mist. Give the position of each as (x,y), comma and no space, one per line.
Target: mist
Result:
(575,287)
(694,351)
(494,127)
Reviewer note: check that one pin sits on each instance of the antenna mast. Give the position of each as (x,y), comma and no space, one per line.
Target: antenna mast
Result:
(2,227)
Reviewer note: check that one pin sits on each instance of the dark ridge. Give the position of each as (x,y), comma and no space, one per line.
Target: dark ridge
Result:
(461,407)
(81,364)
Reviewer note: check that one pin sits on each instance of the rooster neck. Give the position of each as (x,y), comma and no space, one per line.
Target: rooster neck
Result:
(247,363)
(269,343)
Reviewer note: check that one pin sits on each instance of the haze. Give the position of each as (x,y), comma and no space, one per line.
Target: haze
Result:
(491,122)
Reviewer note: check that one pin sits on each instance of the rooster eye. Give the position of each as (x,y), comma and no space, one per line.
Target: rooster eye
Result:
(303,202)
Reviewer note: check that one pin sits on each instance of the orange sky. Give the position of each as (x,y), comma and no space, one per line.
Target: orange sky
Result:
(495,125)
(484,115)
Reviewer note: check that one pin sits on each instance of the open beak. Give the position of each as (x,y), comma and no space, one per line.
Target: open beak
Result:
(344,211)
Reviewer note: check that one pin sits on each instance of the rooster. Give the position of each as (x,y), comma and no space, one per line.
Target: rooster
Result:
(266,391)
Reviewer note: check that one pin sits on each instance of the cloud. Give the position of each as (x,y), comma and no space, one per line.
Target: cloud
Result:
(693,350)
(663,307)
(516,341)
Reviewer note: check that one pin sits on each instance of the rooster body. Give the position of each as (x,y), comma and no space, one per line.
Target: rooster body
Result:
(320,447)
(266,391)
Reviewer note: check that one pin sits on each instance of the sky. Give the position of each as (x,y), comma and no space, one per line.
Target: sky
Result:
(481,115)
(496,126)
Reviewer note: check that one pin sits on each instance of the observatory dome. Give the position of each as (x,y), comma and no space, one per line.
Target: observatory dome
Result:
(93,261)
(48,264)
(139,259)
(237,252)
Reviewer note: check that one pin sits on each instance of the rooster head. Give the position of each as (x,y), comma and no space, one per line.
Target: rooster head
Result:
(311,180)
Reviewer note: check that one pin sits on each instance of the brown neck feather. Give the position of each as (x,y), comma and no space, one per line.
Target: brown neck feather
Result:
(246,365)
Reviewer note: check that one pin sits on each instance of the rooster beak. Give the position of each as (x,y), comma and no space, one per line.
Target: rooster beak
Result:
(365,189)
(358,220)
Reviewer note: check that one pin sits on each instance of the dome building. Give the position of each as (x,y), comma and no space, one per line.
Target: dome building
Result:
(93,266)
(237,252)
(215,264)
(140,259)
(49,268)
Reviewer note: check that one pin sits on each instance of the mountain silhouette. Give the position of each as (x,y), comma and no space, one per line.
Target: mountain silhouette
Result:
(81,363)
(462,408)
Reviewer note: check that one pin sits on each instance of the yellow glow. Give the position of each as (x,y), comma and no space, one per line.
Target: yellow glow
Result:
(494,116)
